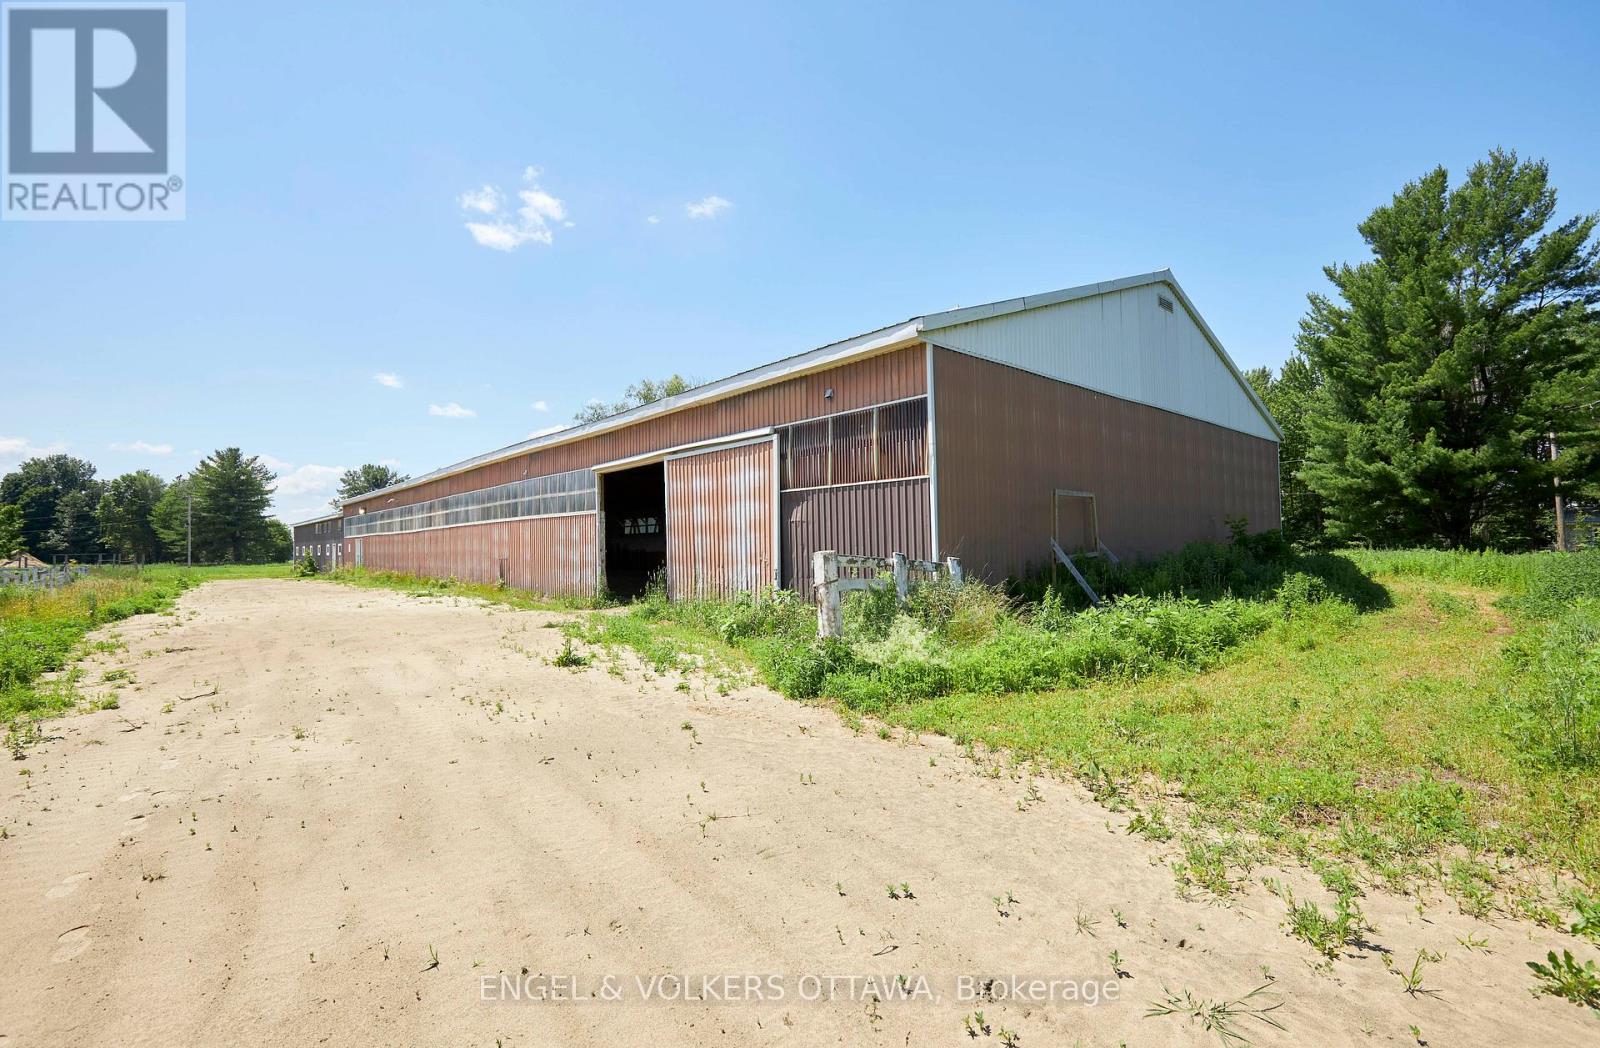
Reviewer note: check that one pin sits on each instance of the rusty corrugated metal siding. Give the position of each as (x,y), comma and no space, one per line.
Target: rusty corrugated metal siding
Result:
(1007,439)
(875,380)
(871,520)
(545,554)
(721,521)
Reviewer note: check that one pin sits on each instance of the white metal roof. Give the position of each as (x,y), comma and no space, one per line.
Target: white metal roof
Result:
(337,514)
(871,343)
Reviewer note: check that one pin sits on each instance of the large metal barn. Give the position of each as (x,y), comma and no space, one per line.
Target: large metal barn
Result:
(1104,416)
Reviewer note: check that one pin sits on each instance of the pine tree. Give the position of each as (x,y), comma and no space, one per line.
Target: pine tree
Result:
(169,518)
(231,496)
(1452,357)
(1291,397)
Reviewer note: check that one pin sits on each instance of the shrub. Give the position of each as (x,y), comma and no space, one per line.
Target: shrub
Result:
(1131,637)
(1300,590)
(1252,567)
(1554,698)
(1557,580)
(869,613)
(965,614)
(799,670)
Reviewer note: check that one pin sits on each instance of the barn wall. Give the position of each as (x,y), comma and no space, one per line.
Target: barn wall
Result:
(322,540)
(560,560)
(544,554)
(871,520)
(1007,439)
(889,376)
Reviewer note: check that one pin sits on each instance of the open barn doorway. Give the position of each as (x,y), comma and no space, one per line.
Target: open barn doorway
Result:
(635,505)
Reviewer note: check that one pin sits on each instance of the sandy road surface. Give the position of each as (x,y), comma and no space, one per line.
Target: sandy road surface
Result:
(310,790)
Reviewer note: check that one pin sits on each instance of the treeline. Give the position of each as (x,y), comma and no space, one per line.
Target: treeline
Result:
(55,506)
(1449,390)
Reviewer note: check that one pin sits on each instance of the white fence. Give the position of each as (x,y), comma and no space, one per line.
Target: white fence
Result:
(866,573)
(41,578)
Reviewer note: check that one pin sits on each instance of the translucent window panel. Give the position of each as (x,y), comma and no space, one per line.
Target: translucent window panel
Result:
(535,496)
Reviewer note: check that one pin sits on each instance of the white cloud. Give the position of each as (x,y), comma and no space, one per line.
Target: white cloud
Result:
(22,446)
(503,236)
(546,431)
(310,479)
(391,463)
(143,447)
(503,230)
(654,220)
(709,207)
(308,489)
(451,410)
(487,200)
(540,405)
(15,450)
(388,378)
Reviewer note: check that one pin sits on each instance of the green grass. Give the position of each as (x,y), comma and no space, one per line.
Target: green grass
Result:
(1501,572)
(1389,738)
(1421,716)
(42,631)
(420,586)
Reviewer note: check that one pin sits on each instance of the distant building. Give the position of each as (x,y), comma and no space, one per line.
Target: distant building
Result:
(1107,415)
(1582,527)
(322,539)
(23,560)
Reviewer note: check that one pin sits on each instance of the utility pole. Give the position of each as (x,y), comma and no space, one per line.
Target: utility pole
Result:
(189,553)
(1561,516)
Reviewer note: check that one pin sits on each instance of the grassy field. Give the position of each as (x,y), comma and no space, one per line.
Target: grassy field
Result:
(1410,718)
(42,631)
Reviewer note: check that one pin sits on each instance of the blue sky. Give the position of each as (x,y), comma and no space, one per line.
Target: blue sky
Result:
(717,186)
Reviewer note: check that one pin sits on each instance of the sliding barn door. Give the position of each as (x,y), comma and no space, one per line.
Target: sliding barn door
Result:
(722,520)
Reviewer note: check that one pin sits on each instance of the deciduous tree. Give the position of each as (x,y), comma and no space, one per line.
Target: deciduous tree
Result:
(37,487)
(368,477)
(10,531)
(126,513)
(645,391)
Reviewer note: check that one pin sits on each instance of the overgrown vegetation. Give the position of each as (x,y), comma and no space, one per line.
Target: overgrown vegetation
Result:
(42,631)
(1422,716)
(420,586)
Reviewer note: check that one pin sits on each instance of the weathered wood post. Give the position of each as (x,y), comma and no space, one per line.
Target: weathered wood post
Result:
(825,580)
(953,566)
(902,576)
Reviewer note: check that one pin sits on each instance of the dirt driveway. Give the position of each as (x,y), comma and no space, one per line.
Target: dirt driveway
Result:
(325,815)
